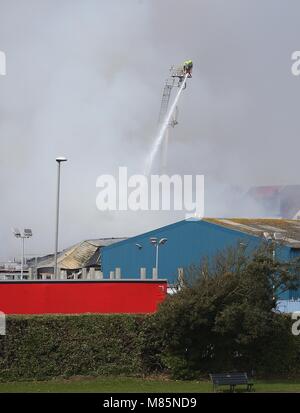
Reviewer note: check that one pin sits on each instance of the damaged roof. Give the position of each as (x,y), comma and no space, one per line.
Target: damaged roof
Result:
(285,230)
(83,254)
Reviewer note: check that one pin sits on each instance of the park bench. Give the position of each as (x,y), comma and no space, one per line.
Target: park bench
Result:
(231,380)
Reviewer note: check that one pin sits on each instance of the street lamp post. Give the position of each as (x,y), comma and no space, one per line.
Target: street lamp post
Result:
(59,160)
(157,243)
(23,254)
(27,233)
(272,238)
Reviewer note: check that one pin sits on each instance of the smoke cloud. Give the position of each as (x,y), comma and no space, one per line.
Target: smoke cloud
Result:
(84,80)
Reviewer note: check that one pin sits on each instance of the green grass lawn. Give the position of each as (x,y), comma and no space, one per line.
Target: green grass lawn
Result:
(129,384)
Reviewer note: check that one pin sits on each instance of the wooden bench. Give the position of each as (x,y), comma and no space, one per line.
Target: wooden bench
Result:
(231,380)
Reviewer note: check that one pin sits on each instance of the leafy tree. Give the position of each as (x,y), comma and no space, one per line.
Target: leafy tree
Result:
(223,318)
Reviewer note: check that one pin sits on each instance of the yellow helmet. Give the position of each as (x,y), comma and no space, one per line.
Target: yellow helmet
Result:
(188,63)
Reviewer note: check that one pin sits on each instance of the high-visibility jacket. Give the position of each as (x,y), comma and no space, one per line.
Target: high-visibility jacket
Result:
(188,64)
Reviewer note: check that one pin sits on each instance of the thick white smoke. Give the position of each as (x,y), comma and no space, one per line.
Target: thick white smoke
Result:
(84,80)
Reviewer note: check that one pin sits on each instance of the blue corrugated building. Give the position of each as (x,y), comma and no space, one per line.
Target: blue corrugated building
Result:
(189,241)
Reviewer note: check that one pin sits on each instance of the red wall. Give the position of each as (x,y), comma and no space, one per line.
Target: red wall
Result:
(75,297)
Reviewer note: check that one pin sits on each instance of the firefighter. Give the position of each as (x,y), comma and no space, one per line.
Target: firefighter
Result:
(187,67)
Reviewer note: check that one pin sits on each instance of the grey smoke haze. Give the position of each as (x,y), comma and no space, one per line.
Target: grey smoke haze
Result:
(84,80)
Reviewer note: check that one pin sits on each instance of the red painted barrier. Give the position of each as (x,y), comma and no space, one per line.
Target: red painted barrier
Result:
(77,297)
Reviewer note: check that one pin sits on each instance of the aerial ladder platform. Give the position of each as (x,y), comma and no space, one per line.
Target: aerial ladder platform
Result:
(175,78)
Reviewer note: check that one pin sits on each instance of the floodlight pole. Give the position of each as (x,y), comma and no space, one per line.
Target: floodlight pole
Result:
(156,259)
(157,243)
(27,233)
(58,160)
(22,259)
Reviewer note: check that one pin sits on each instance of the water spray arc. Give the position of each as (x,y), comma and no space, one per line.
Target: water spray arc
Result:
(163,128)
(168,118)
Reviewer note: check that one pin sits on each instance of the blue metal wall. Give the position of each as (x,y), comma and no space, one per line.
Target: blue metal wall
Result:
(188,242)
(292,294)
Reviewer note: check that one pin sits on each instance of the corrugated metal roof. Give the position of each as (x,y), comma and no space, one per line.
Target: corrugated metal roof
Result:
(77,256)
(288,229)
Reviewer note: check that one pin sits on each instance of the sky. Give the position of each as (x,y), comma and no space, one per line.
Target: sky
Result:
(85,79)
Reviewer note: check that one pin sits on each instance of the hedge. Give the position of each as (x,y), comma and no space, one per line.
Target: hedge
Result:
(44,346)
(47,346)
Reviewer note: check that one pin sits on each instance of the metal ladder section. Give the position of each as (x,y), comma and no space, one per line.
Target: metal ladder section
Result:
(165,100)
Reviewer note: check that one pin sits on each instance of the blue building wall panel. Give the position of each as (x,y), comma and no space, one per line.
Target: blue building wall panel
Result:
(293,294)
(188,243)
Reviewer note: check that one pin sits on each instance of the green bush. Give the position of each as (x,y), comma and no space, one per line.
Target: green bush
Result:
(223,319)
(44,346)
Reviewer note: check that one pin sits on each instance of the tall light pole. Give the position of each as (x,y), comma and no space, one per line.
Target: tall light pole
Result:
(59,160)
(156,243)
(27,233)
